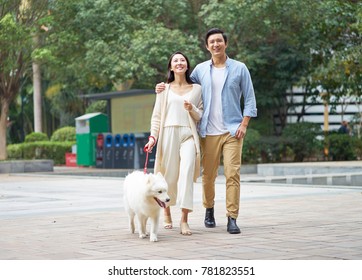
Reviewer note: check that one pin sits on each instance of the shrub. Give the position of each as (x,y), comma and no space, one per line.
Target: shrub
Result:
(343,147)
(251,146)
(302,138)
(15,151)
(40,150)
(66,133)
(36,136)
(271,149)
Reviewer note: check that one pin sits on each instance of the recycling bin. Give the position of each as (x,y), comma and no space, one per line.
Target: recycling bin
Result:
(140,156)
(108,151)
(117,153)
(124,151)
(131,151)
(87,128)
(99,150)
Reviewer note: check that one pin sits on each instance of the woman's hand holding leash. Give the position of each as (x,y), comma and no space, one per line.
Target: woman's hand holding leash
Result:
(150,144)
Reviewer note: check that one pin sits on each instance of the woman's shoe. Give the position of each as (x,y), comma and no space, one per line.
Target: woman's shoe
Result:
(167,222)
(185,229)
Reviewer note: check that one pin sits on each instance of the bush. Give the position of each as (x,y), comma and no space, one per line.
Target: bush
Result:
(271,149)
(40,150)
(35,137)
(251,146)
(343,147)
(66,133)
(14,151)
(302,139)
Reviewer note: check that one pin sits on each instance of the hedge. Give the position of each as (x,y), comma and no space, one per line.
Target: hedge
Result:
(40,150)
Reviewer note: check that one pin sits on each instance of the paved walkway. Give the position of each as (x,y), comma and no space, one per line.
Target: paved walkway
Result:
(74,217)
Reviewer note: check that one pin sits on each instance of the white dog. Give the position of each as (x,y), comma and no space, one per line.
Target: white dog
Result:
(144,194)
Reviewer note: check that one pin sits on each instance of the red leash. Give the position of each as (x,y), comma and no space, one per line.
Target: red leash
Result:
(145,149)
(145,168)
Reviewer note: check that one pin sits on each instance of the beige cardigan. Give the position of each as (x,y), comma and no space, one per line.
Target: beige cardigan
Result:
(158,121)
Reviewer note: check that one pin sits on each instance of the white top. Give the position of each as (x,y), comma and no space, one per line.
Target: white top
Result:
(176,114)
(215,124)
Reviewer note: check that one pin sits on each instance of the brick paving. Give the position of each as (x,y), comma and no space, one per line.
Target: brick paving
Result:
(82,218)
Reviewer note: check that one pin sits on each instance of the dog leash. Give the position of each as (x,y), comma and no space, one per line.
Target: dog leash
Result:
(145,149)
(146,162)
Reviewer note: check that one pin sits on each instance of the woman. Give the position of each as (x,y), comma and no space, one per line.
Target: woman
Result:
(173,125)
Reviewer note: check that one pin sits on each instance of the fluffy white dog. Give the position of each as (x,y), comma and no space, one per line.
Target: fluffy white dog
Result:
(144,194)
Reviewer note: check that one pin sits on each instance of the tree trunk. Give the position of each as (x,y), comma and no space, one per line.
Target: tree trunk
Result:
(3,127)
(37,98)
(37,92)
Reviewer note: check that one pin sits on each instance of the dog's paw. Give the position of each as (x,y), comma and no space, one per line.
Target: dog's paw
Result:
(153,238)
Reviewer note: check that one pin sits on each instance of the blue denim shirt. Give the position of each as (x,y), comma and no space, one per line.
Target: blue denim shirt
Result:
(237,84)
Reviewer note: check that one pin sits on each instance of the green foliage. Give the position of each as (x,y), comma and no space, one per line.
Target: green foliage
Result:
(15,151)
(97,106)
(18,22)
(302,139)
(337,62)
(65,104)
(271,149)
(100,43)
(35,137)
(344,147)
(64,134)
(251,146)
(13,40)
(40,150)
(286,43)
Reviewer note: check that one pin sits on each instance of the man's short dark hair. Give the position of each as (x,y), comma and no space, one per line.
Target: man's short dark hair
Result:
(215,31)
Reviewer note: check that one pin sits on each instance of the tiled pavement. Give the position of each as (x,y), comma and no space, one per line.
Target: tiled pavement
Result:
(74,217)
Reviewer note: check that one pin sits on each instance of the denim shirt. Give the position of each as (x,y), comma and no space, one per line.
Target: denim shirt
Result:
(237,84)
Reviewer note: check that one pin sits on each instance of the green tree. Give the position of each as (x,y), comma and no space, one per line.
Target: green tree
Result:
(289,43)
(102,43)
(15,58)
(19,20)
(105,45)
(337,59)
(273,39)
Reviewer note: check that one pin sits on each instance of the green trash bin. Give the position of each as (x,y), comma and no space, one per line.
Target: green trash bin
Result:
(87,128)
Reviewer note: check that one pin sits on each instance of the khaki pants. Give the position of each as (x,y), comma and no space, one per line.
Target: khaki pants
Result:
(178,154)
(212,147)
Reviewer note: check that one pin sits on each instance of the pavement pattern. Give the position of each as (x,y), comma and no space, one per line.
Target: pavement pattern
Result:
(61,217)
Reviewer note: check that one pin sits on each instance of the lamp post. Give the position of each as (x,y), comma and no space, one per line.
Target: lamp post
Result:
(324,96)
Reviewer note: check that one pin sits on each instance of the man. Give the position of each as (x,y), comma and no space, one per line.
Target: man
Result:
(223,126)
(344,129)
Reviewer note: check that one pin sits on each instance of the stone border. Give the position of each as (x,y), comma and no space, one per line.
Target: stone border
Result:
(23,166)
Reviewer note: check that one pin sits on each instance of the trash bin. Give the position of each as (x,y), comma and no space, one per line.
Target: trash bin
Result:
(108,151)
(124,151)
(99,150)
(131,151)
(140,156)
(117,146)
(87,128)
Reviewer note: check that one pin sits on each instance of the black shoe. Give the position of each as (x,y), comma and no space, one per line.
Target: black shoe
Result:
(232,227)
(209,218)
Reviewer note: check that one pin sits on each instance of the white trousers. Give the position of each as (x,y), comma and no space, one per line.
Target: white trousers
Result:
(178,162)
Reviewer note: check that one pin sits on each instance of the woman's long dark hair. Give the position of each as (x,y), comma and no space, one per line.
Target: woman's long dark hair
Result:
(171,75)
